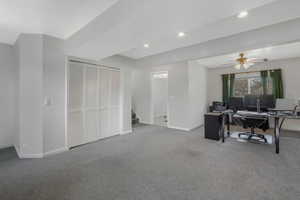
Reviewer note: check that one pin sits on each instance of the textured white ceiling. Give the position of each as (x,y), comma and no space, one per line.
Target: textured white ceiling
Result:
(96,29)
(60,18)
(291,50)
(131,23)
(259,16)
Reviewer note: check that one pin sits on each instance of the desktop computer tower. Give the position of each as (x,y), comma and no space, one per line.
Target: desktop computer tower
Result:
(212,125)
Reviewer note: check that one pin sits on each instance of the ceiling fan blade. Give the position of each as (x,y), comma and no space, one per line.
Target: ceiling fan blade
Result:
(255,60)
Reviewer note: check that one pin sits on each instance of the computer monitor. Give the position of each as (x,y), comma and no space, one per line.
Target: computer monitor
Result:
(236,103)
(250,100)
(267,101)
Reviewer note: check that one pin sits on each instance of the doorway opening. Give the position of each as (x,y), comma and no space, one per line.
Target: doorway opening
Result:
(160,108)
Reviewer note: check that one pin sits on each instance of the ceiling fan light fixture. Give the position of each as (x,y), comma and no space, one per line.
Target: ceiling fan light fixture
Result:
(246,65)
(238,66)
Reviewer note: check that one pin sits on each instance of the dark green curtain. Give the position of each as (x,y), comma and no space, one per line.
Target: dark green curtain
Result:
(276,76)
(231,84)
(264,78)
(225,78)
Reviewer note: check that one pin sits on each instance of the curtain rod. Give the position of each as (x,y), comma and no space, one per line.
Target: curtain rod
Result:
(98,65)
(253,71)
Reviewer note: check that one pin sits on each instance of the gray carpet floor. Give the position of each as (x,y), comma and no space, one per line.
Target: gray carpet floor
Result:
(156,163)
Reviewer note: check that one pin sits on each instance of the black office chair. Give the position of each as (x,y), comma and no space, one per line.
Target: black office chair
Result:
(252,120)
(259,102)
(236,103)
(217,107)
(250,102)
(267,102)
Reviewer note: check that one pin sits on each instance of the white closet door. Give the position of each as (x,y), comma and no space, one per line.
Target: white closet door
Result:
(114,102)
(104,88)
(91,87)
(91,104)
(94,103)
(104,125)
(75,114)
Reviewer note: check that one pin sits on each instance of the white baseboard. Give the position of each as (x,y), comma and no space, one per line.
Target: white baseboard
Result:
(24,155)
(143,122)
(126,132)
(40,155)
(195,127)
(18,151)
(186,129)
(56,151)
(179,128)
(116,133)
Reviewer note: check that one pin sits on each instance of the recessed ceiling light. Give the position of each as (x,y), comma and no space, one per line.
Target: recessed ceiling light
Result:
(146,45)
(243,14)
(181,34)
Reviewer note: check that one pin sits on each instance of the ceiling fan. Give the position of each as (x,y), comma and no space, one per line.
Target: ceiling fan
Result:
(243,62)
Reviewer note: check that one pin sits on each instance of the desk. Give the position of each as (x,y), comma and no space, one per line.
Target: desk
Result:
(278,122)
(226,115)
(254,108)
(278,117)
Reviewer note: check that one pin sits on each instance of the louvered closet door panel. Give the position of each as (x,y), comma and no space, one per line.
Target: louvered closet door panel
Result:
(91,125)
(114,102)
(104,123)
(75,129)
(115,88)
(75,86)
(94,103)
(104,88)
(91,104)
(75,101)
(114,121)
(91,87)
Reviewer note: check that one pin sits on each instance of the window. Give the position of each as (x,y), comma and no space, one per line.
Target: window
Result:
(250,83)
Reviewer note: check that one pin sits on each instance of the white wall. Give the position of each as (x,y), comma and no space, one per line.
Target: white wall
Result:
(186,94)
(126,66)
(160,96)
(178,96)
(8,96)
(30,94)
(291,81)
(54,92)
(41,87)
(16,49)
(33,94)
(126,97)
(197,93)
(141,94)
